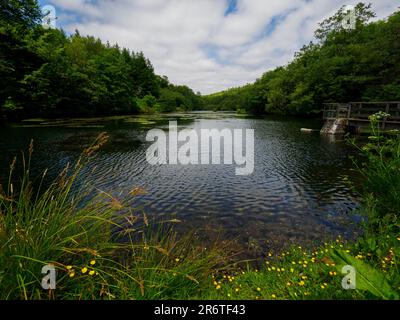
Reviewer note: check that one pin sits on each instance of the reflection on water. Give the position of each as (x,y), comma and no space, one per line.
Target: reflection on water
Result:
(298,191)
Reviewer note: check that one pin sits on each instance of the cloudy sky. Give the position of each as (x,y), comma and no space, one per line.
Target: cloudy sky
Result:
(209,45)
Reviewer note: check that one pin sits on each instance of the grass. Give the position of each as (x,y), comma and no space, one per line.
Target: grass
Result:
(101,249)
(104,249)
(317,274)
(301,274)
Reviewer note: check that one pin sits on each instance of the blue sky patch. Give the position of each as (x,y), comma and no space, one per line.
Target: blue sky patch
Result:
(232,7)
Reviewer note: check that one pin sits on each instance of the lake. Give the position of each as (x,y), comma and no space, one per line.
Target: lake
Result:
(298,193)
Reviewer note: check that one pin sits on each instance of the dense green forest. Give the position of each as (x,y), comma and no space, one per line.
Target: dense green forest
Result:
(45,72)
(341,65)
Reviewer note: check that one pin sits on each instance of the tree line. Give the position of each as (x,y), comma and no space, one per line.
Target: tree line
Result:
(341,65)
(45,72)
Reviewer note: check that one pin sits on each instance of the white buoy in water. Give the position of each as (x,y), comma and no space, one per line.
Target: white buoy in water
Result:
(307,130)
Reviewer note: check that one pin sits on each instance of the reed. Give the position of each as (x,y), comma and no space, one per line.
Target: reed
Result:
(101,247)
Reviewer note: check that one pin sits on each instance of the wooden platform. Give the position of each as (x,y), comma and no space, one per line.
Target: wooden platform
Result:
(357,113)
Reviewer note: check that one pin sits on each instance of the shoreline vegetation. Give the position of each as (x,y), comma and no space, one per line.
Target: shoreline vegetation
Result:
(46,73)
(104,249)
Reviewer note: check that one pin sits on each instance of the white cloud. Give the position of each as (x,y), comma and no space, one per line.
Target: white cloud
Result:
(194,43)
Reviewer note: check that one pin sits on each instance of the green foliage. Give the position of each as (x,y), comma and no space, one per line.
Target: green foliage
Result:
(367,278)
(178,98)
(317,274)
(341,66)
(333,24)
(47,73)
(80,75)
(101,247)
(147,104)
(22,14)
(381,171)
(9,105)
(312,274)
(231,99)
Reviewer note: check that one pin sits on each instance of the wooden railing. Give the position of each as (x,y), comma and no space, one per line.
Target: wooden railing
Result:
(360,111)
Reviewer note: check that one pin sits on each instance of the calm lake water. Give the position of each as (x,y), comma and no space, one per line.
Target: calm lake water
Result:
(299,190)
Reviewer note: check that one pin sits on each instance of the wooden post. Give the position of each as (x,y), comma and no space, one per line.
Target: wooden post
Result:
(385,118)
(398,111)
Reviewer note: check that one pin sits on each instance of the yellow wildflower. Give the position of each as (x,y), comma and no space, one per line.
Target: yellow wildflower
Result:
(84,270)
(92,262)
(91,272)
